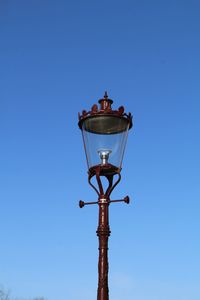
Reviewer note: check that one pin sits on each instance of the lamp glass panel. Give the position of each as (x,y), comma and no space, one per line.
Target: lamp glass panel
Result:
(105,139)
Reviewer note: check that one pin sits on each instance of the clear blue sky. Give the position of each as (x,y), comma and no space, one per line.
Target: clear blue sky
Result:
(57,58)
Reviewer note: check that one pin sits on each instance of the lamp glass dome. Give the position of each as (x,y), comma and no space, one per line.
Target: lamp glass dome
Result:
(104,139)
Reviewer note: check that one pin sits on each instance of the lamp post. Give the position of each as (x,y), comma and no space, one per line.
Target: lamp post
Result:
(104,132)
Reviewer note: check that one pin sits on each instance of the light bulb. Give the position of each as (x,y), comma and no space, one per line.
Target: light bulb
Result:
(104,155)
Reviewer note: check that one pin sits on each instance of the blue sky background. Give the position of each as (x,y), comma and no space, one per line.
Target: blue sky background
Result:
(57,58)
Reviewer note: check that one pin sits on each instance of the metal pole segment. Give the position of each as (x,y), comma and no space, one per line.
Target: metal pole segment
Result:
(103,233)
(103,230)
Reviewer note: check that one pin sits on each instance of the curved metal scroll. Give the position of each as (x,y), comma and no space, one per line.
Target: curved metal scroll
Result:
(100,189)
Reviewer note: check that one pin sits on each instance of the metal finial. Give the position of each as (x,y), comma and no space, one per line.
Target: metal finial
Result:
(106,95)
(105,103)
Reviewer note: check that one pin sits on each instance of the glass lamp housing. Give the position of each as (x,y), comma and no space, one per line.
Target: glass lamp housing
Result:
(104,132)
(104,139)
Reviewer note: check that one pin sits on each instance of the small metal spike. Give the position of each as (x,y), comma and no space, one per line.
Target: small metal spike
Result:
(106,95)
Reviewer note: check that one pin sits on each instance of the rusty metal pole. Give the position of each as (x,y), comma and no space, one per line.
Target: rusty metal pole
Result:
(103,233)
(103,230)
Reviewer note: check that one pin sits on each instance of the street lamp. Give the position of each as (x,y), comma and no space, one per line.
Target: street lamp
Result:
(104,132)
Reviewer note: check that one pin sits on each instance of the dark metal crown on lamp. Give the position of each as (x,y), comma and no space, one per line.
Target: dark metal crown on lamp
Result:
(105,120)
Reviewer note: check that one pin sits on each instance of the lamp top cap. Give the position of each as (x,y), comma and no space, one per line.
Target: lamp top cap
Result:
(105,102)
(105,110)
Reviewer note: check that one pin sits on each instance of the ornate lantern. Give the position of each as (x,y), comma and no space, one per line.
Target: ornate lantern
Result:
(105,134)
